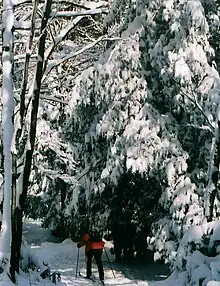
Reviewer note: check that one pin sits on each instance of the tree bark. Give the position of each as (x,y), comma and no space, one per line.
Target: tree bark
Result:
(14,263)
(16,214)
(7,127)
(215,175)
(26,66)
(29,149)
(35,104)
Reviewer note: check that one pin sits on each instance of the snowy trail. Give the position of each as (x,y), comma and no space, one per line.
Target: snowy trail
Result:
(62,258)
(35,234)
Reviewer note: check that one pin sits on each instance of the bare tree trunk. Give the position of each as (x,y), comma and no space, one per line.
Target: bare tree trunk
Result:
(14,263)
(215,174)
(29,149)
(35,104)
(7,127)
(26,66)
(213,170)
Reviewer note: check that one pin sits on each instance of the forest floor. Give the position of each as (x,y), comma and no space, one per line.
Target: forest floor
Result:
(62,258)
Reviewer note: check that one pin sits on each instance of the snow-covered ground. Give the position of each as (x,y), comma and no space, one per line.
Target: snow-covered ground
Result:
(62,258)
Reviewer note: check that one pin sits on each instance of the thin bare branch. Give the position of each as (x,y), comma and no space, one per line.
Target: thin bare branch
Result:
(79,13)
(26,25)
(55,63)
(203,127)
(86,5)
(23,57)
(59,38)
(52,98)
(195,101)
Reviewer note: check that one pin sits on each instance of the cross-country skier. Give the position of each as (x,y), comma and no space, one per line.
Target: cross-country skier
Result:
(93,248)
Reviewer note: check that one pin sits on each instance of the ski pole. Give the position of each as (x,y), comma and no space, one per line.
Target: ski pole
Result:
(109,263)
(77,263)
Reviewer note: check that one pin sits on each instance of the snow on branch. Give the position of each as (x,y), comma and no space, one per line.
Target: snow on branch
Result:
(52,174)
(56,62)
(52,98)
(86,5)
(86,171)
(49,172)
(60,37)
(207,128)
(195,101)
(55,174)
(26,25)
(23,25)
(78,13)
(23,56)
(25,2)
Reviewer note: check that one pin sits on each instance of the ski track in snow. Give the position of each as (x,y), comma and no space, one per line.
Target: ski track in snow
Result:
(62,258)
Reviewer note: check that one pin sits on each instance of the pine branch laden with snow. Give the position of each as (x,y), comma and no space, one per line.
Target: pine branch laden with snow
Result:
(7,128)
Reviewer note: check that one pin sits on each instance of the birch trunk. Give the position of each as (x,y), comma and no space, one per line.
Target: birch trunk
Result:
(7,127)
(16,215)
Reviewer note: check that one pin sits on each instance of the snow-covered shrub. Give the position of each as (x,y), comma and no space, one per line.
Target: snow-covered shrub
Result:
(198,255)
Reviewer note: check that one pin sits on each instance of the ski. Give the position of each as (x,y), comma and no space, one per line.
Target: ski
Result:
(97,280)
(93,279)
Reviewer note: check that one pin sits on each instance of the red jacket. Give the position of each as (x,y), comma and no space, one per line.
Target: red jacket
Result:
(90,245)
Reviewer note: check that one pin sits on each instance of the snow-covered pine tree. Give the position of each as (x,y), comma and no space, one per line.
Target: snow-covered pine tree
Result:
(167,49)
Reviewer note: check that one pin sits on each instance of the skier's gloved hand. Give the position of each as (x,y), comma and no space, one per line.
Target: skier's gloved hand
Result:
(78,245)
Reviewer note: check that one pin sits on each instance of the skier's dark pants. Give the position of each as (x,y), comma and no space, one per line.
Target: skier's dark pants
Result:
(97,253)
(118,250)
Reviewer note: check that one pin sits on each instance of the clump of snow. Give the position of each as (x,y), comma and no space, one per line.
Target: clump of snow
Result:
(198,266)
